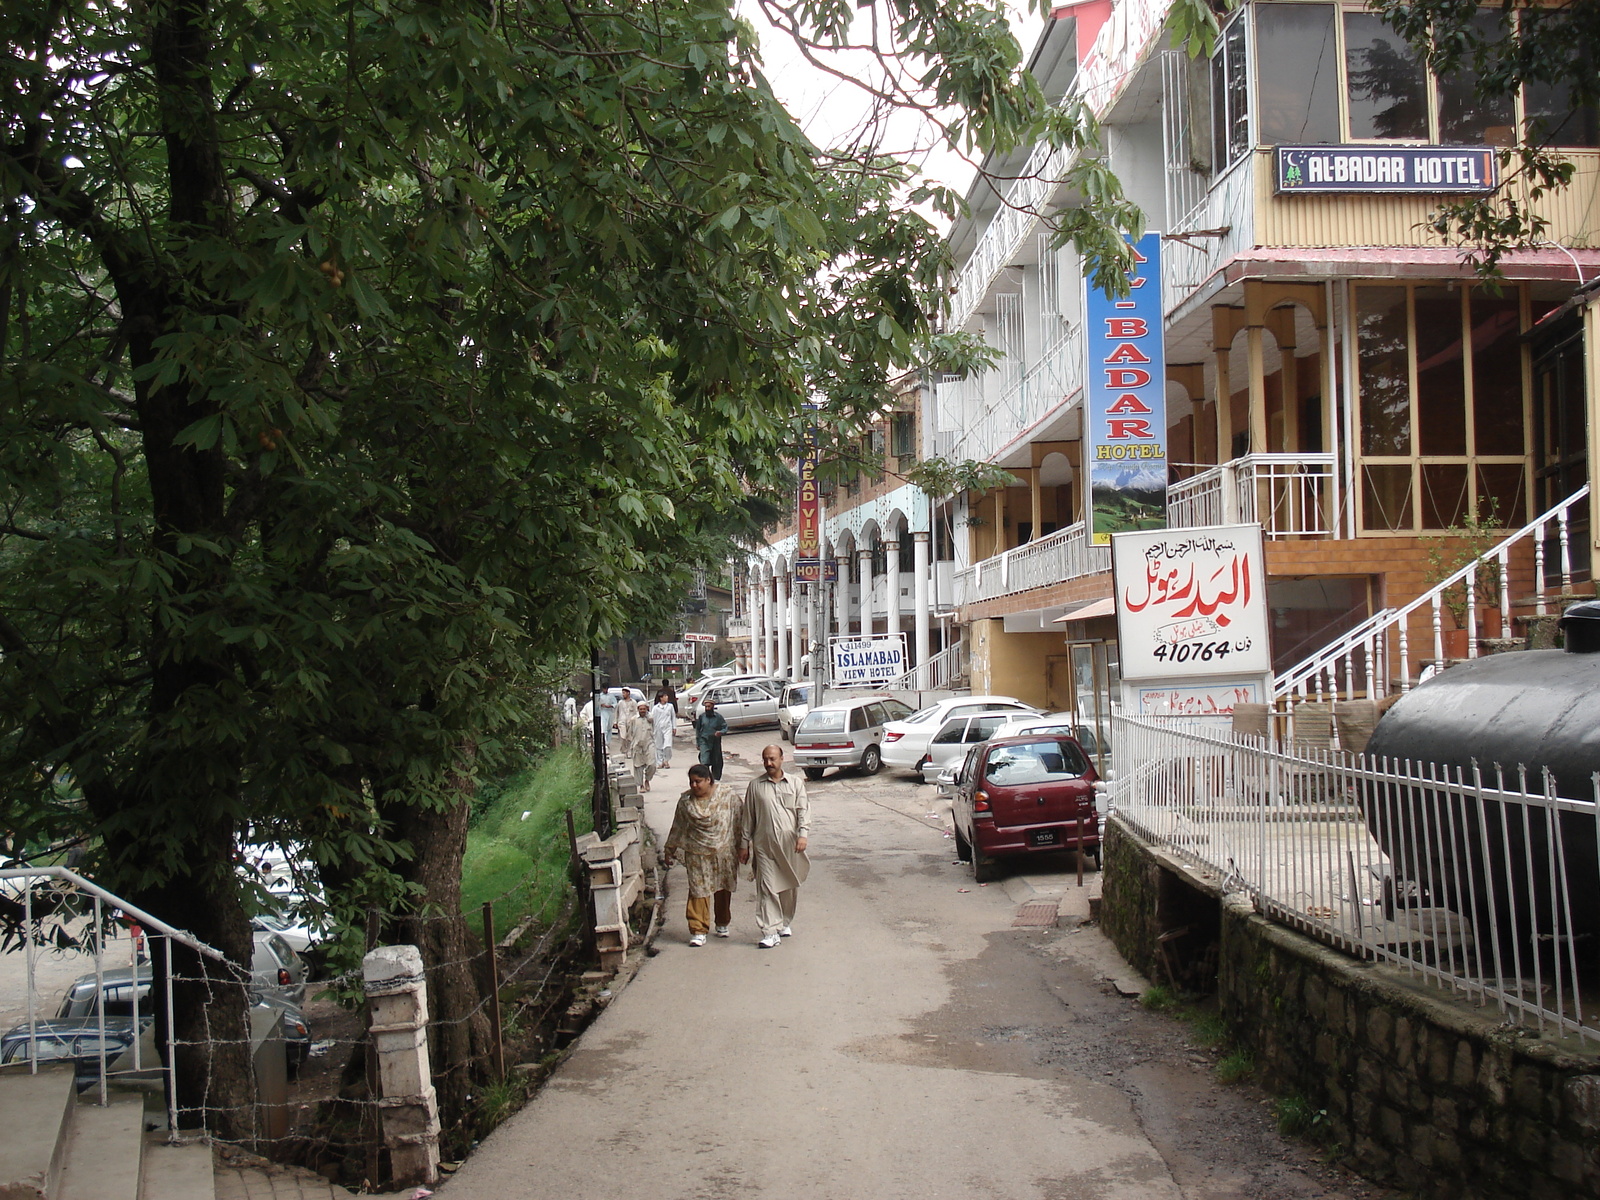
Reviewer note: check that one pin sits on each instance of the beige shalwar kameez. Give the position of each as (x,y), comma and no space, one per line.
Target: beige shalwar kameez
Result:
(775,814)
(638,747)
(703,835)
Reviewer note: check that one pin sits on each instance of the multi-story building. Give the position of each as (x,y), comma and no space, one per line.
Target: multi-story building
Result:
(1335,369)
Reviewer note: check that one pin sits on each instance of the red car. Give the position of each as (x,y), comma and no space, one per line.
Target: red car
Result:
(1029,794)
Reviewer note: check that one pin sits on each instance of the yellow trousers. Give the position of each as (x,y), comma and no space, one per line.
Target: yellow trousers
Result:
(698,911)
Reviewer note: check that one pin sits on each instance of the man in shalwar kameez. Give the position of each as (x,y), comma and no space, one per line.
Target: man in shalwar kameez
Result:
(704,830)
(773,829)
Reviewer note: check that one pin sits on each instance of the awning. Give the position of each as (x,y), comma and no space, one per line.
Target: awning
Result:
(1104,607)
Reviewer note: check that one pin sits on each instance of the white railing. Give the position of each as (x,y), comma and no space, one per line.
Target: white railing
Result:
(1048,383)
(1292,495)
(1392,648)
(1002,237)
(936,675)
(1054,558)
(1475,882)
(60,905)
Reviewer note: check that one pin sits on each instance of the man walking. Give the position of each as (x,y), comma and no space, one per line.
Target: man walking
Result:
(773,827)
(709,727)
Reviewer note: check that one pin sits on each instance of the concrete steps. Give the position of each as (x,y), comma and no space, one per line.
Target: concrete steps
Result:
(60,1146)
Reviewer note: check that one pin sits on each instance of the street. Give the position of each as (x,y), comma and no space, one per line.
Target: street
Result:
(908,1041)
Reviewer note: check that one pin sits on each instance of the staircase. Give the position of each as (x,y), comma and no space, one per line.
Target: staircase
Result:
(1526,576)
(59,1145)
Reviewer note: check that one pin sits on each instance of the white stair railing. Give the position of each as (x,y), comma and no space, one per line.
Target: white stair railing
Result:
(1379,651)
(936,674)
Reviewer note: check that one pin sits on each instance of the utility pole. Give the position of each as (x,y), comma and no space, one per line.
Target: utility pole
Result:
(600,797)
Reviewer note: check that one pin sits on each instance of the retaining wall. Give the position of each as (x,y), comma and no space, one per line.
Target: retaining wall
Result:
(1422,1091)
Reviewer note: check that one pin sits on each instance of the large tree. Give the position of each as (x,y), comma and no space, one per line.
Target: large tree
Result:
(360,356)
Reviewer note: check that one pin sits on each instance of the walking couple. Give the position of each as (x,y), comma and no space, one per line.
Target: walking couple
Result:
(714,831)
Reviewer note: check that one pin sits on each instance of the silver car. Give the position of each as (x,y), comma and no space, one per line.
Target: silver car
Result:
(846,734)
(793,706)
(956,736)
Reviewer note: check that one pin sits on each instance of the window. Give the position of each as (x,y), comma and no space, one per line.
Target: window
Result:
(1387,87)
(903,434)
(1297,65)
(951,733)
(1230,95)
(1440,374)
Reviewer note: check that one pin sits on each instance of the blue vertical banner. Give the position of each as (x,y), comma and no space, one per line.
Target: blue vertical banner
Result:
(1125,403)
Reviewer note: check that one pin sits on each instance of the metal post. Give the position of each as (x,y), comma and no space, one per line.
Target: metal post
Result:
(600,797)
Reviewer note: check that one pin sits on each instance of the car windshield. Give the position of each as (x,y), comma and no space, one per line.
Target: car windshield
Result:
(1034,762)
(823,722)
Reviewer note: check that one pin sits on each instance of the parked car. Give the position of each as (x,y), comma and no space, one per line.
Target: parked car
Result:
(277,974)
(846,734)
(793,706)
(689,699)
(905,743)
(77,1038)
(936,766)
(958,735)
(1024,795)
(744,704)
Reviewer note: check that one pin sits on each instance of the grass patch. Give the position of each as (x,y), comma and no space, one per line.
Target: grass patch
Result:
(1235,1067)
(1159,998)
(1296,1117)
(521,863)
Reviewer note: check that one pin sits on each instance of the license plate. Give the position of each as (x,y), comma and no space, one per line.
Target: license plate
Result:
(1045,837)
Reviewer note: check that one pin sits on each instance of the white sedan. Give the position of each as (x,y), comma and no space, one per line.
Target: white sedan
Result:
(905,742)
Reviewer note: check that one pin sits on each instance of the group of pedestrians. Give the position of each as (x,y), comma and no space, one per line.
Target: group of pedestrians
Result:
(715,831)
(647,737)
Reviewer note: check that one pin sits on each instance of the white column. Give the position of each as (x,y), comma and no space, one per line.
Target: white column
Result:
(891,590)
(782,608)
(753,612)
(769,628)
(864,584)
(919,605)
(841,595)
(797,629)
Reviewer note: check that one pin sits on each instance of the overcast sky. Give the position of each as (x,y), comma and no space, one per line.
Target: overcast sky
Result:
(835,112)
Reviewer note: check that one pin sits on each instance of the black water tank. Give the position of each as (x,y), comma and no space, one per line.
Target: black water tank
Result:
(1532,710)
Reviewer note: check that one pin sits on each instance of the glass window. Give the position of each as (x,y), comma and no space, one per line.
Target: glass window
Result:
(1388,88)
(1497,372)
(875,714)
(1554,120)
(1444,494)
(1297,74)
(822,722)
(1386,496)
(982,728)
(902,433)
(1383,372)
(951,733)
(894,710)
(1035,762)
(1501,492)
(1466,118)
(1230,94)
(1441,372)
(858,719)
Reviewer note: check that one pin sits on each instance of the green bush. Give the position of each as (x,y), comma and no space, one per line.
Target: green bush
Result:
(521,862)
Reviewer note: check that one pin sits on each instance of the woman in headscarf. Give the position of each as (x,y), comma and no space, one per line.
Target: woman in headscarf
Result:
(704,830)
(663,720)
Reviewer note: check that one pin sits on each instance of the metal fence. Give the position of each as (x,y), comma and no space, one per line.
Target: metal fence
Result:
(1484,882)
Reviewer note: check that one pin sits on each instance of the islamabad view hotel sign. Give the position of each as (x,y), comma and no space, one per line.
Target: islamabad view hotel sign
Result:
(1125,437)
(865,660)
(1454,170)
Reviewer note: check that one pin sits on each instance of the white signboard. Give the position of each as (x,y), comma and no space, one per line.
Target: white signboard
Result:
(1197,700)
(699,637)
(1191,603)
(671,654)
(865,660)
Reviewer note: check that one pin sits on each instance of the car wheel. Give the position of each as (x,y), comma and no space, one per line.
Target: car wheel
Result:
(871,760)
(916,771)
(984,868)
(814,773)
(963,847)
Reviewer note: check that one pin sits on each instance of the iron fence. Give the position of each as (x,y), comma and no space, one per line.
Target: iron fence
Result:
(1484,882)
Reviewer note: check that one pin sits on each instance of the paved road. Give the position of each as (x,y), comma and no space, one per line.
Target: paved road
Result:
(906,1042)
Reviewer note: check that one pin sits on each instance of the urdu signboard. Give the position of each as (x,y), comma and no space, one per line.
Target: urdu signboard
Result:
(1125,407)
(671,654)
(1192,619)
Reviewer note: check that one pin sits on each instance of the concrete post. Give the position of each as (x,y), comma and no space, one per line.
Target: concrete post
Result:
(891,588)
(864,582)
(797,629)
(397,998)
(753,612)
(782,612)
(769,637)
(919,605)
(841,596)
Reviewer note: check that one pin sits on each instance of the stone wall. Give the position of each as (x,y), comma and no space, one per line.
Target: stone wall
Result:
(1419,1089)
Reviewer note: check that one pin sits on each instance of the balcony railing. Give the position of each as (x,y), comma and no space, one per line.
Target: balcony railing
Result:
(1292,495)
(1054,558)
(1048,382)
